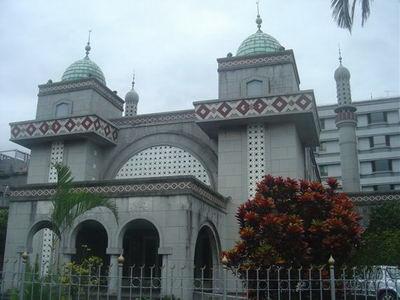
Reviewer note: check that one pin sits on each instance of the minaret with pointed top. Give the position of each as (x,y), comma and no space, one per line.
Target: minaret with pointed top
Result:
(346,122)
(131,101)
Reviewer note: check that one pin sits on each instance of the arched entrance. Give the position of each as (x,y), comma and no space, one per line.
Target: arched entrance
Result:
(91,240)
(205,258)
(43,243)
(140,243)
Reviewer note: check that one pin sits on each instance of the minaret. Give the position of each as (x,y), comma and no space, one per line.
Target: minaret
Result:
(131,101)
(346,122)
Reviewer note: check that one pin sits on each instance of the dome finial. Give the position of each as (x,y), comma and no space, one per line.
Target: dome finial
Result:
(133,79)
(258,19)
(87,48)
(340,55)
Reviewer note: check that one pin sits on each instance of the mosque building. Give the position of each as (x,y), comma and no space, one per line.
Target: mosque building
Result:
(176,177)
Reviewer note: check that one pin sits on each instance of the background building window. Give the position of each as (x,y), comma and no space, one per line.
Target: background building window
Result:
(379,141)
(254,88)
(377,117)
(62,110)
(383,187)
(322,147)
(381,165)
(323,171)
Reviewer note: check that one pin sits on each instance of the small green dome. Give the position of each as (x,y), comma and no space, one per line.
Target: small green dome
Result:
(259,43)
(83,68)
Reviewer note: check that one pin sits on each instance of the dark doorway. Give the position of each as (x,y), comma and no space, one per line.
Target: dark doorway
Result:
(203,259)
(141,242)
(91,240)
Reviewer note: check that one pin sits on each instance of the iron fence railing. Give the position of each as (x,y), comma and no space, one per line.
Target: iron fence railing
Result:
(202,283)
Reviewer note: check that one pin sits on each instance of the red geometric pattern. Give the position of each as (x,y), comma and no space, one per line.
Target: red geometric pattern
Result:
(243,107)
(224,109)
(217,110)
(279,104)
(73,125)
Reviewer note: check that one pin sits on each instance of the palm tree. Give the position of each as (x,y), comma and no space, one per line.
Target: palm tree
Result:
(68,204)
(343,12)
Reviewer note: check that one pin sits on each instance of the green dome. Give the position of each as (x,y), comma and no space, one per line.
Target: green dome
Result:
(259,43)
(83,68)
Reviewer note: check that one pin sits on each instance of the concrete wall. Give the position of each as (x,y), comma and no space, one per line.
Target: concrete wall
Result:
(38,171)
(285,153)
(84,159)
(82,102)
(277,79)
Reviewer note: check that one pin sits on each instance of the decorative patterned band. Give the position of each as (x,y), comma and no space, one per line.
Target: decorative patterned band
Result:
(66,126)
(252,61)
(132,189)
(254,107)
(75,85)
(169,117)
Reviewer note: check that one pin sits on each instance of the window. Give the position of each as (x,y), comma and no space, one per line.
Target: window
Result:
(377,117)
(383,187)
(379,141)
(387,140)
(322,147)
(323,170)
(254,88)
(381,165)
(322,123)
(62,110)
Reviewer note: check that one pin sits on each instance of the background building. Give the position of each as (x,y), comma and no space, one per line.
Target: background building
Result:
(378,134)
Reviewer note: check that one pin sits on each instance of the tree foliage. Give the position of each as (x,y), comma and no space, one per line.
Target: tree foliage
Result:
(381,240)
(343,12)
(294,223)
(68,204)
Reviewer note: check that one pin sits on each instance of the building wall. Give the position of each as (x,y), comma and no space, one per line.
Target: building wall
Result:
(276,79)
(385,137)
(83,102)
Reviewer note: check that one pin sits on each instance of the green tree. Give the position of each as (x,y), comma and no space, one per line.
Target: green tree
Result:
(343,12)
(69,203)
(381,240)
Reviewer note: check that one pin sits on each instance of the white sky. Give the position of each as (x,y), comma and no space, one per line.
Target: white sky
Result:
(172,45)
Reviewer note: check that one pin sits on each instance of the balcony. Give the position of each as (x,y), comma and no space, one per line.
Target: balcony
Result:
(90,126)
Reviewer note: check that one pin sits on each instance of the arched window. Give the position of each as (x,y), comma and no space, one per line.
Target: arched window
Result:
(62,110)
(159,161)
(254,88)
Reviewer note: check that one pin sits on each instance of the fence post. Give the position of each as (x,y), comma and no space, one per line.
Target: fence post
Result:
(331,263)
(24,257)
(121,261)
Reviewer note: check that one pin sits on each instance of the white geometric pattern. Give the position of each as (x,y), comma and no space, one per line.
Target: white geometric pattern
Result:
(56,156)
(256,156)
(159,161)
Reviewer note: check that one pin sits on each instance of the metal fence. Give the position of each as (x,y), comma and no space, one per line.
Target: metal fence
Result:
(187,282)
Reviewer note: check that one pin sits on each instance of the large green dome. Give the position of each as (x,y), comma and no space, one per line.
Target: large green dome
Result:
(259,43)
(83,68)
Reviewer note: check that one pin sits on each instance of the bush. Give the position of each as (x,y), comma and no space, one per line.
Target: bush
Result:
(295,223)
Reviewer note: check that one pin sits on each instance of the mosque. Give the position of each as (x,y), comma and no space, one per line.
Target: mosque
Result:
(176,177)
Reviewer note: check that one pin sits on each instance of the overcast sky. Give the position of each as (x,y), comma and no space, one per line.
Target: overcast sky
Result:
(172,45)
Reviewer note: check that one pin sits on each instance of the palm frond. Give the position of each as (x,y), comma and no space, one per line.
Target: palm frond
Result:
(69,204)
(366,10)
(341,13)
